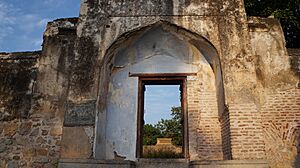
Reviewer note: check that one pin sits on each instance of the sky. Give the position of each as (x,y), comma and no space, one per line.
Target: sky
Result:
(159,99)
(22,22)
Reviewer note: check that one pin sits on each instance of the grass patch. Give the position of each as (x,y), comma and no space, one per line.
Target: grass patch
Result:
(162,154)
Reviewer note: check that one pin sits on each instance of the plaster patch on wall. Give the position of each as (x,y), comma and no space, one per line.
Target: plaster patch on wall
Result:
(80,114)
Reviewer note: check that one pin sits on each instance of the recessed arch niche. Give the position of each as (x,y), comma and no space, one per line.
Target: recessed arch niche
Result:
(155,49)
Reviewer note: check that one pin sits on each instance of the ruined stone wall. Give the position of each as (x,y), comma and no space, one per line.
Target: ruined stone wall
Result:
(32,99)
(26,138)
(279,98)
(49,100)
(53,83)
(281,119)
(31,142)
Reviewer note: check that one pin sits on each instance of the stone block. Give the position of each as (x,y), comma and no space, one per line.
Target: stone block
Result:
(40,140)
(45,132)
(29,153)
(12,164)
(75,143)
(22,140)
(25,128)
(56,131)
(41,151)
(35,132)
(82,114)
(10,129)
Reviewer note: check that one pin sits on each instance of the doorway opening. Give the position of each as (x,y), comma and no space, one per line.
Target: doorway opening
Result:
(162,120)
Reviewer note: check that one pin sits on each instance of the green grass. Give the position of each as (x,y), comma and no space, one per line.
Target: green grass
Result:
(162,154)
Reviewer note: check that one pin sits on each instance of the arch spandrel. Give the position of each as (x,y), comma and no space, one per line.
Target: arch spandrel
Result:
(121,29)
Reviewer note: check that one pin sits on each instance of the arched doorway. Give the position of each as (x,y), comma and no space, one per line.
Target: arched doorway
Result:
(160,50)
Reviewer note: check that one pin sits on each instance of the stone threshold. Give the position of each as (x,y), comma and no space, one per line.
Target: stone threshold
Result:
(94,163)
(163,163)
(158,160)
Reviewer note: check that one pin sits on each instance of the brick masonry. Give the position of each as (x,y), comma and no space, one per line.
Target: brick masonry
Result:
(204,127)
(226,135)
(246,132)
(281,123)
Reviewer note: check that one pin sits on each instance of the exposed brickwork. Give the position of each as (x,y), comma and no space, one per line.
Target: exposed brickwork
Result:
(246,132)
(204,127)
(226,138)
(193,117)
(281,121)
(278,99)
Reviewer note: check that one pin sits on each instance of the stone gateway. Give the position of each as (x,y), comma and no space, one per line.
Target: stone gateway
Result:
(78,102)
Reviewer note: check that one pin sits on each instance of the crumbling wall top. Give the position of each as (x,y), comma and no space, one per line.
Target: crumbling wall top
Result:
(19,55)
(117,8)
(63,26)
(260,24)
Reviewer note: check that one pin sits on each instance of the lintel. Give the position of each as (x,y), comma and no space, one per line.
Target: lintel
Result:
(161,74)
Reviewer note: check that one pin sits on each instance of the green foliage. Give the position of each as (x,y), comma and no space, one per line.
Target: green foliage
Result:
(151,133)
(170,128)
(287,11)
